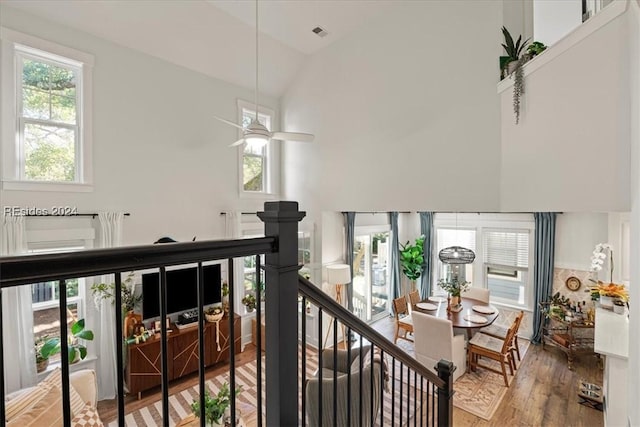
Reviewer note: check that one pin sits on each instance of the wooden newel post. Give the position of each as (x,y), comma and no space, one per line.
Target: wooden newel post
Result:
(445,395)
(281,313)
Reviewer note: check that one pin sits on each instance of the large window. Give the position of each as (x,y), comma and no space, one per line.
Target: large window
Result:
(503,249)
(256,157)
(446,237)
(46,136)
(506,264)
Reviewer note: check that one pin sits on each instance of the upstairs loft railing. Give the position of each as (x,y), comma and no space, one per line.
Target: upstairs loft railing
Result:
(281,329)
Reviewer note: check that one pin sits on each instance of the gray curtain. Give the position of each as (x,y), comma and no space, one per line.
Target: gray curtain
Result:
(350,226)
(545,233)
(394,258)
(426,229)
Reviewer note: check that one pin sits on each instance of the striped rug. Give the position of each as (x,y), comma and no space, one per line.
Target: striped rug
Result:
(406,397)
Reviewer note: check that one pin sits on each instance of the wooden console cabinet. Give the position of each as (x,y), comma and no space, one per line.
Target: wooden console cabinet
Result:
(144,366)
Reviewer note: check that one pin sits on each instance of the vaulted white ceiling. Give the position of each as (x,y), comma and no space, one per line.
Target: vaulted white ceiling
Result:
(214,37)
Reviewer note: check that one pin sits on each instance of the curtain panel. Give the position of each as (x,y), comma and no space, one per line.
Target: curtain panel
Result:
(350,228)
(426,229)
(19,362)
(110,237)
(544,251)
(394,259)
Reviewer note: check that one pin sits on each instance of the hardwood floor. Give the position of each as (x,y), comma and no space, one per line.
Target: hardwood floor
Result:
(543,392)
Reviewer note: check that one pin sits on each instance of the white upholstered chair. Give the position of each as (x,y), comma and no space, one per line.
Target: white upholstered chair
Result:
(479,294)
(434,340)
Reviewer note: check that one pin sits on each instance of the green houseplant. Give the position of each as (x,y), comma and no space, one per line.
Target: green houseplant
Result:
(215,406)
(104,291)
(249,301)
(412,260)
(77,350)
(454,287)
(536,48)
(512,65)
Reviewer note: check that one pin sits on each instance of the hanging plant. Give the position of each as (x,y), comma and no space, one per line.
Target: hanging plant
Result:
(518,87)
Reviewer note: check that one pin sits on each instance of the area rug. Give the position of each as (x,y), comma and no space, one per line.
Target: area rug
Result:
(407,396)
(481,392)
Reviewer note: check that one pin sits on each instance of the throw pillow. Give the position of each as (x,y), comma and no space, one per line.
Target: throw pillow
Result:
(24,401)
(87,417)
(45,412)
(55,379)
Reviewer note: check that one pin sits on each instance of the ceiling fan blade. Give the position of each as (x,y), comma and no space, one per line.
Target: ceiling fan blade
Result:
(238,142)
(228,122)
(293,136)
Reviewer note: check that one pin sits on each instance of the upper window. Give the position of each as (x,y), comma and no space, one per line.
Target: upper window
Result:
(48,118)
(255,158)
(257,162)
(47,141)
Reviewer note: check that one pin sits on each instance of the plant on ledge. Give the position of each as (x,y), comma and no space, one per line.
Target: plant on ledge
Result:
(513,63)
(215,406)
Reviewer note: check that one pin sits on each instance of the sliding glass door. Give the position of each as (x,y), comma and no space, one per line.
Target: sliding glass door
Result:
(371,274)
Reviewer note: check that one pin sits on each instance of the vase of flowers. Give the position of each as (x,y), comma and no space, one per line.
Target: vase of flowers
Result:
(454,287)
(606,293)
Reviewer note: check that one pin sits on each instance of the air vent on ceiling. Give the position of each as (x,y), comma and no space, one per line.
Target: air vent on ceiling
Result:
(321,32)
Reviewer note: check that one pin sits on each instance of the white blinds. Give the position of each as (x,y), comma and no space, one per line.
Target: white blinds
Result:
(452,237)
(506,248)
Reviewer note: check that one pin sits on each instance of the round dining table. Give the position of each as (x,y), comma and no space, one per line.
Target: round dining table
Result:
(460,319)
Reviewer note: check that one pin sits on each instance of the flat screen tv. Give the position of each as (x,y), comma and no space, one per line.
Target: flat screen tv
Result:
(182,290)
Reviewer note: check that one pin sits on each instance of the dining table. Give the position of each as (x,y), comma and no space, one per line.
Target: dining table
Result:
(475,314)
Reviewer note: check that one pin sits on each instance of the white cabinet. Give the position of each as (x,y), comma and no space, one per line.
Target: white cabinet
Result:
(612,341)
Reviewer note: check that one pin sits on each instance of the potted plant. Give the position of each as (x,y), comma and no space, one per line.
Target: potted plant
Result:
(454,287)
(535,49)
(77,351)
(412,260)
(215,406)
(249,301)
(512,65)
(42,361)
(225,296)
(104,291)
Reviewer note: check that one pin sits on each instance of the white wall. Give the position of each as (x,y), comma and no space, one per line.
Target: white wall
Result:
(576,236)
(158,153)
(570,151)
(553,19)
(403,119)
(633,17)
(518,18)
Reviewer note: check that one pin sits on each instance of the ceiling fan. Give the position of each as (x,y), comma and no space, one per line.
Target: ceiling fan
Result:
(256,133)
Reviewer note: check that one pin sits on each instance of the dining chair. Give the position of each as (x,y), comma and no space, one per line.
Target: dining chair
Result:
(479,294)
(403,319)
(434,341)
(501,332)
(414,298)
(482,345)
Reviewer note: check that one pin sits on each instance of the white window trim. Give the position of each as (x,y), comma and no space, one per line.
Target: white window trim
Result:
(369,230)
(9,39)
(273,157)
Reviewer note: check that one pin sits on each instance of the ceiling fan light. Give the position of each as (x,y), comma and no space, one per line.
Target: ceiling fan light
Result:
(256,141)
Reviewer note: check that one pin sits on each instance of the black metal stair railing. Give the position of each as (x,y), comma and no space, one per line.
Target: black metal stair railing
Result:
(280,248)
(360,395)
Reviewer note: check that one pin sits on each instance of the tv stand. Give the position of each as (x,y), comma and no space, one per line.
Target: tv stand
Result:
(144,366)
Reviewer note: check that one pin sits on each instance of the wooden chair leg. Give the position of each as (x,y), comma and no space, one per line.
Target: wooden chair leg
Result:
(510,361)
(395,340)
(504,373)
(515,340)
